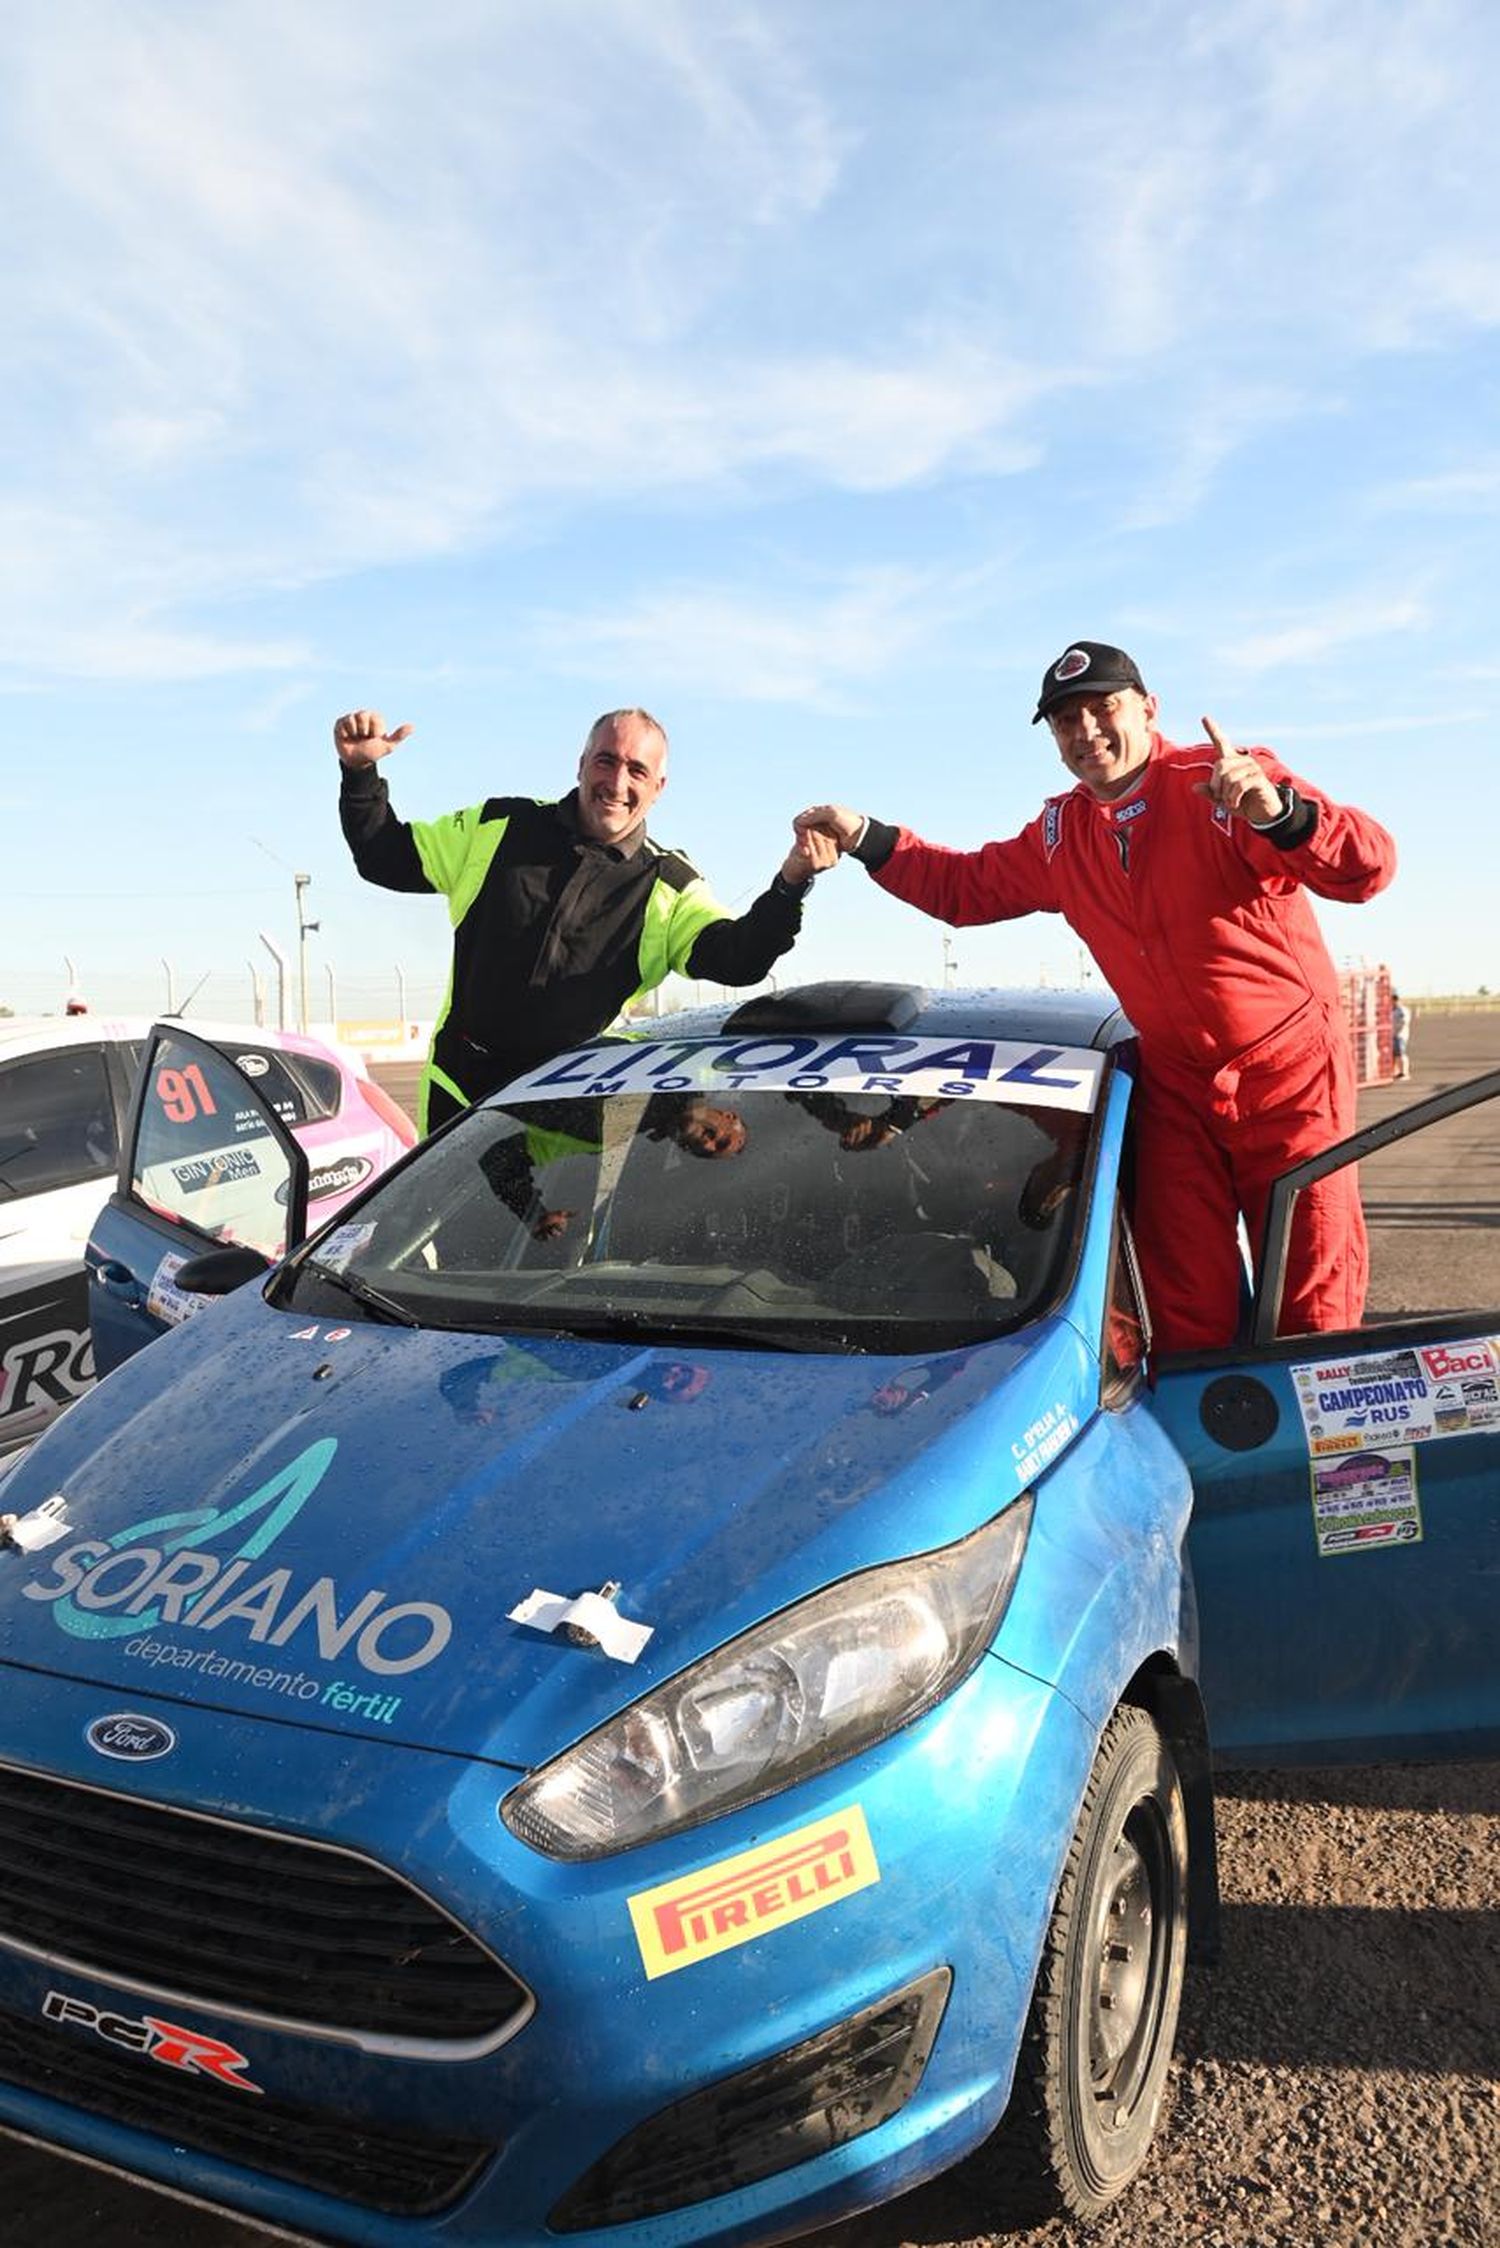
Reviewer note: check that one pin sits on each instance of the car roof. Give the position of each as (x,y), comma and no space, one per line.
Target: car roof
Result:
(33,1034)
(40,1034)
(1089,1018)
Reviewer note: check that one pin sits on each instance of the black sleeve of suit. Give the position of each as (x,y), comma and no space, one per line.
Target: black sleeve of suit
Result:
(382,845)
(746,950)
(1297,824)
(876,844)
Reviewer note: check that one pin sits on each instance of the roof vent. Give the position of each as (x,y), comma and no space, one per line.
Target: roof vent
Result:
(831,1006)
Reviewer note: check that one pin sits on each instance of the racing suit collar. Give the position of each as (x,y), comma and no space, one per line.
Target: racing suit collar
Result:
(626,848)
(1141,783)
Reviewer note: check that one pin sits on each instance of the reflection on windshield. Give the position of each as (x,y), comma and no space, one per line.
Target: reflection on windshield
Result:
(860,1221)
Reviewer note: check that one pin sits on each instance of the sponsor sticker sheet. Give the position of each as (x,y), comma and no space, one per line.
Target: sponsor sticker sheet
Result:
(1406,1396)
(1365,1501)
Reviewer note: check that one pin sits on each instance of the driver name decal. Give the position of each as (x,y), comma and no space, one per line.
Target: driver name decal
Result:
(740,1898)
(1046,1437)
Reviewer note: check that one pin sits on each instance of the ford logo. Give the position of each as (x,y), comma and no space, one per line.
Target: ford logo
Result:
(134,1738)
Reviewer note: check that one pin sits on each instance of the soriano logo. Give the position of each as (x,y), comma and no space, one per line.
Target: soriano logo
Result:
(195,1571)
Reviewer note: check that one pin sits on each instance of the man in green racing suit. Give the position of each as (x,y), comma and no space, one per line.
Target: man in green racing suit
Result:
(563,912)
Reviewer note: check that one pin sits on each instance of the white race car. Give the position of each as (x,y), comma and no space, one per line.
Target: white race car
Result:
(66,1084)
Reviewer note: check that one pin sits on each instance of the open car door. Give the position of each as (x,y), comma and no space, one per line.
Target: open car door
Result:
(206,1163)
(1345,1539)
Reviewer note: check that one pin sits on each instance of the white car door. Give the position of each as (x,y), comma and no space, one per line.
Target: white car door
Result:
(59,1147)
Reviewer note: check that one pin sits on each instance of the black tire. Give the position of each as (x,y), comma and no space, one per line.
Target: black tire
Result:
(1098,2038)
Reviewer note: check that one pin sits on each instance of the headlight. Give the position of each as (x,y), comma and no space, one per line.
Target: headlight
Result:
(812,1686)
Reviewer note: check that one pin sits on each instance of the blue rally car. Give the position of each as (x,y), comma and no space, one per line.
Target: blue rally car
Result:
(654,1682)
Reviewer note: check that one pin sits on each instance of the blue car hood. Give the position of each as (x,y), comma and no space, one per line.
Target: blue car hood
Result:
(332,1526)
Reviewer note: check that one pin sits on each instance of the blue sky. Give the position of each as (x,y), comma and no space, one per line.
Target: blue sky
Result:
(810,372)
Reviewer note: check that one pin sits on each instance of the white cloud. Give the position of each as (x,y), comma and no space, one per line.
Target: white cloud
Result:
(122,651)
(1427,723)
(303,292)
(326,290)
(1473,490)
(1314,639)
(826,648)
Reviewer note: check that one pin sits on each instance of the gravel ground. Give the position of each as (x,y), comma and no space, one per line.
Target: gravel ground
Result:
(1338,2072)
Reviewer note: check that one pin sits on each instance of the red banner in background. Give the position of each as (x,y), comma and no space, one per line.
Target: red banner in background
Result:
(1366,995)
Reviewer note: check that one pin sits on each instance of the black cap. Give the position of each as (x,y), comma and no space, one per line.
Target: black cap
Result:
(1086,668)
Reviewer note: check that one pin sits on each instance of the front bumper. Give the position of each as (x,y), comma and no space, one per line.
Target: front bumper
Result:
(775,1967)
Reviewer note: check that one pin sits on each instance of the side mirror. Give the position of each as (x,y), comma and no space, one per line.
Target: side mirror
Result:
(216,1272)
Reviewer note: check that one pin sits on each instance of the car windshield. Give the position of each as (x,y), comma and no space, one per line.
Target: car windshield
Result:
(800,1209)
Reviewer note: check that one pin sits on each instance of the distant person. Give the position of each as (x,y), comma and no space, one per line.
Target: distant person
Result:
(1183,871)
(563,912)
(1401,1021)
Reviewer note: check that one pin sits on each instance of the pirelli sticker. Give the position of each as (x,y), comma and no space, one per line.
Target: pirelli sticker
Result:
(726,1904)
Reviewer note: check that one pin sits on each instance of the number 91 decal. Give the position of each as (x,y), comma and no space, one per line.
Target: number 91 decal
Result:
(184,1094)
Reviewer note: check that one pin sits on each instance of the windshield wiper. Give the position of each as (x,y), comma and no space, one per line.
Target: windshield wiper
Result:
(642,1327)
(362,1292)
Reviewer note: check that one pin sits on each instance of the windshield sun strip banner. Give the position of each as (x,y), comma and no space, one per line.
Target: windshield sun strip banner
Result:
(1018,1071)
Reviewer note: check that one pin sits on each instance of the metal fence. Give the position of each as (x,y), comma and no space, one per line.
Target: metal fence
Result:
(274,994)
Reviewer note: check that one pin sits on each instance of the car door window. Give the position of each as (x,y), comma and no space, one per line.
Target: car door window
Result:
(205,1155)
(299,1087)
(1127,1331)
(57,1121)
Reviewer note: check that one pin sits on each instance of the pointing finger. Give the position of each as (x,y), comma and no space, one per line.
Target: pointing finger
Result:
(1220,740)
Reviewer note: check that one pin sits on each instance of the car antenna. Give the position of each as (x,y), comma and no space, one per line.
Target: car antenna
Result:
(177,1013)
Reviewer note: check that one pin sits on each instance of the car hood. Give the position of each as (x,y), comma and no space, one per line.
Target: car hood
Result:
(332,1526)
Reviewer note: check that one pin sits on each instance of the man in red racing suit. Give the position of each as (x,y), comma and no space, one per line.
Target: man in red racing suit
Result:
(1183,871)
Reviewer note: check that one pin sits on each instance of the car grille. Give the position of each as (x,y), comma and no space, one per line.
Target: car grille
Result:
(400,2171)
(262,1924)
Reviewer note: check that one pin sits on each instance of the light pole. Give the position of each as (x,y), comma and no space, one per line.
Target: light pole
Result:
(279,957)
(950,965)
(305,929)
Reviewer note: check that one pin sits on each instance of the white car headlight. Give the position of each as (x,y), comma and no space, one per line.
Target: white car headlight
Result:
(802,1691)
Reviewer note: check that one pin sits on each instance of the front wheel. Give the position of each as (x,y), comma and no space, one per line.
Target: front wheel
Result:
(1098,2037)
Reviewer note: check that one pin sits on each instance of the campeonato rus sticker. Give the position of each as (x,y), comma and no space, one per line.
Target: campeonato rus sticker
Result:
(680,1922)
(1410,1395)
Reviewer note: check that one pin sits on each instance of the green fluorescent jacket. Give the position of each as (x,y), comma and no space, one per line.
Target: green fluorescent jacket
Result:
(553,934)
